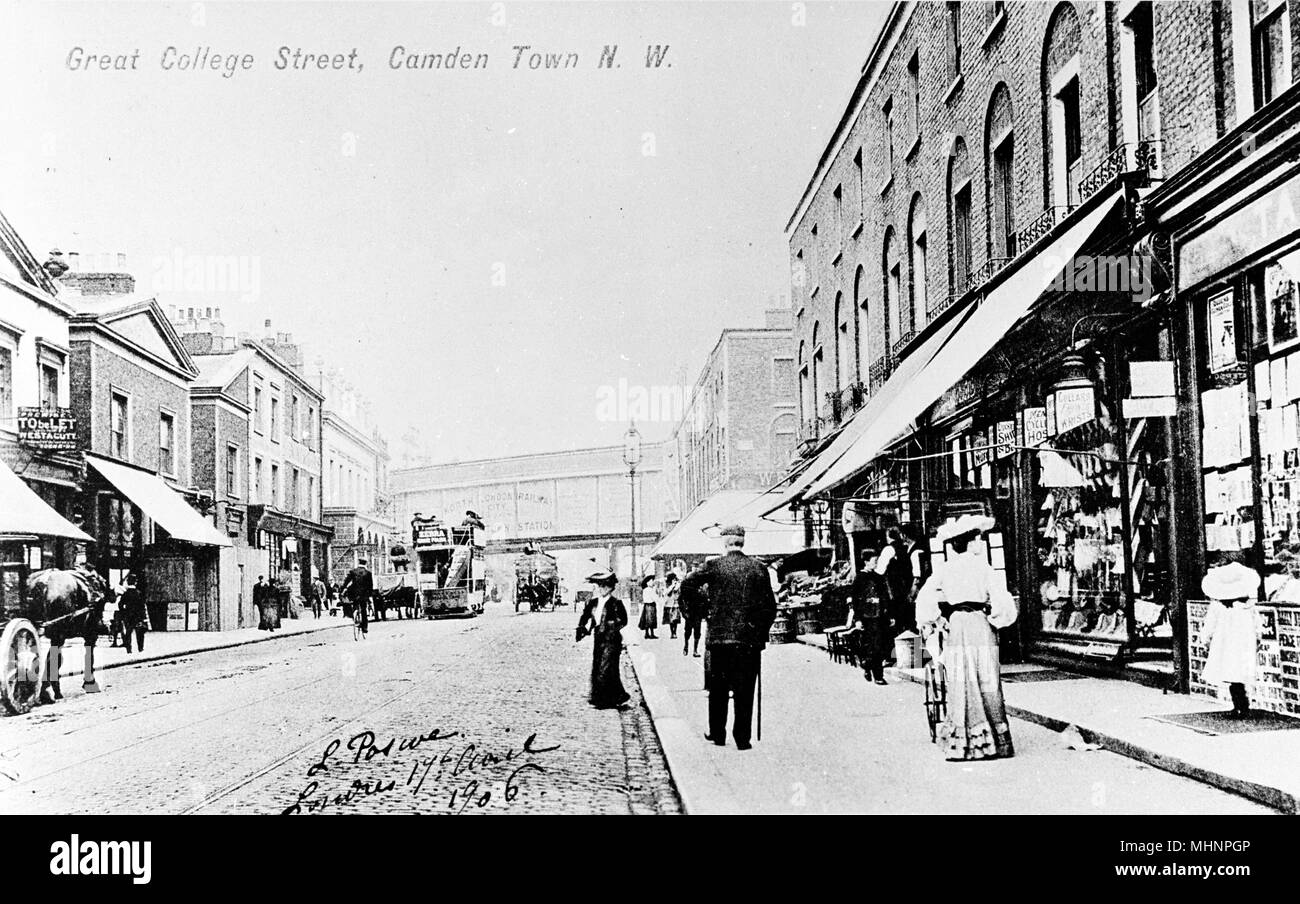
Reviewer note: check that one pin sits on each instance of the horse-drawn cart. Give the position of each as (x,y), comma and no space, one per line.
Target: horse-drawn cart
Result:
(61,605)
(537,581)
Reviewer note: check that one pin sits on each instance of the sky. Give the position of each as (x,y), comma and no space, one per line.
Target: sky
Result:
(487,254)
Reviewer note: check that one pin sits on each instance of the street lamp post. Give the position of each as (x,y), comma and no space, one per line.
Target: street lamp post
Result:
(632,458)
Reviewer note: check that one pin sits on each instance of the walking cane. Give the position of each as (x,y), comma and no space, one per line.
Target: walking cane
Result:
(760,695)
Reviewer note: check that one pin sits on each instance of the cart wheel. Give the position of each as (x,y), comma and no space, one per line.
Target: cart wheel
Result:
(21,666)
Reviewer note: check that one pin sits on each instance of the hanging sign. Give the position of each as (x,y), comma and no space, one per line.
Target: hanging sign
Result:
(1158,406)
(1149,379)
(1035,432)
(980,452)
(1074,407)
(1006,438)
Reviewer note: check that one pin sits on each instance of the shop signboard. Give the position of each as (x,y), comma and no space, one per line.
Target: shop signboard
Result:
(1240,234)
(1006,439)
(1074,407)
(1035,432)
(1158,406)
(980,449)
(1151,378)
(47,429)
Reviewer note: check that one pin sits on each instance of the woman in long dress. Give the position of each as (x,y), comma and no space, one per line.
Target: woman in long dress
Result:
(604,616)
(649,607)
(672,614)
(972,597)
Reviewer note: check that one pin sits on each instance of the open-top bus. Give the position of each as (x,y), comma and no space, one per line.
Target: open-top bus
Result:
(449,567)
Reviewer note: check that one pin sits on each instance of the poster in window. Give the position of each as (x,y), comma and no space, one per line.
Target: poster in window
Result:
(1281,303)
(1221,331)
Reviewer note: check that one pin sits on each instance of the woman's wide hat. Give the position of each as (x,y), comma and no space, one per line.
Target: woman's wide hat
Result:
(1233,581)
(603,578)
(966,524)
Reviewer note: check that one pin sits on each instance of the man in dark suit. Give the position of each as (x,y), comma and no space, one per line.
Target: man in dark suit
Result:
(740,610)
(359,587)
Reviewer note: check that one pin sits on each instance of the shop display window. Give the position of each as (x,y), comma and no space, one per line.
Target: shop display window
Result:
(1273,374)
(1101,507)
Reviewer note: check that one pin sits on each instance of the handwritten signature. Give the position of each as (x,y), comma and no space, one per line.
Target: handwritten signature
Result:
(471,770)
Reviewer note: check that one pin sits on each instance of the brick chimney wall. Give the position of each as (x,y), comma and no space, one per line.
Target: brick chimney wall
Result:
(99,283)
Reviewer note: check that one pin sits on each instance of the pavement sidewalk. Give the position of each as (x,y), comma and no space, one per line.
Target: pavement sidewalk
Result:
(833,743)
(170,644)
(1125,718)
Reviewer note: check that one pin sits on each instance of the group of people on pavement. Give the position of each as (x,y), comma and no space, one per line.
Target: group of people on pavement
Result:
(677,608)
(733,593)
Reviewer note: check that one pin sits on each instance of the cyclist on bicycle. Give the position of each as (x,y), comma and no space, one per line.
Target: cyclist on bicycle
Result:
(359,588)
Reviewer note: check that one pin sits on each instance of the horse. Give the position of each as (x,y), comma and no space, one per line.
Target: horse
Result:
(400,598)
(66,604)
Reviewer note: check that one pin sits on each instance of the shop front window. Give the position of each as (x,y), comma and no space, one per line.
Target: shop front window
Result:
(1276,384)
(1100,501)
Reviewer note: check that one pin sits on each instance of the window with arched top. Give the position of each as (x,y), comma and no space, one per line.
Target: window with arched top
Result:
(959,219)
(805,401)
(999,150)
(917,267)
(892,282)
(842,377)
(861,318)
(1063,126)
(818,381)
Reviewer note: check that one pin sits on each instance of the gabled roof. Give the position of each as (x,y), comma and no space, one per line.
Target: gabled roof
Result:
(15,249)
(137,322)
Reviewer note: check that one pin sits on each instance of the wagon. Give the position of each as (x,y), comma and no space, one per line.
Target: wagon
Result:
(537,581)
(22,667)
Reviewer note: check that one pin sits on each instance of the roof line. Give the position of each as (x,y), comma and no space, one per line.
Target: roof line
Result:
(870,69)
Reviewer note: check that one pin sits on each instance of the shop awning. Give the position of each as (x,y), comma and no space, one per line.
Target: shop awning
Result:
(25,514)
(876,405)
(160,502)
(983,328)
(697,533)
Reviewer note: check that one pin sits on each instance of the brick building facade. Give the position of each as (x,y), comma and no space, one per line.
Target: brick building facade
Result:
(951,357)
(739,426)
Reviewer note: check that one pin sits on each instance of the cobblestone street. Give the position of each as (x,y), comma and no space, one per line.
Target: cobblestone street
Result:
(474,716)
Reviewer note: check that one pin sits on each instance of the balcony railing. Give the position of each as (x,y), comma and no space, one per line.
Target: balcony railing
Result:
(896,350)
(835,407)
(879,372)
(991,268)
(1041,226)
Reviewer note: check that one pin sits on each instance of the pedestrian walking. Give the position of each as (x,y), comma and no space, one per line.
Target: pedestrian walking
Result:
(604,617)
(649,607)
(265,598)
(971,598)
(672,614)
(317,597)
(359,588)
(135,616)
(740,612)
(1230,631)
(692,608)
(869,600)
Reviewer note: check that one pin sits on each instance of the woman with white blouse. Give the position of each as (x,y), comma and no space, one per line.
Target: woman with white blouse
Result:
(970,598)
